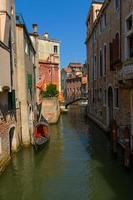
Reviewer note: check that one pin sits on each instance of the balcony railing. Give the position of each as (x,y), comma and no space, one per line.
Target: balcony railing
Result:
(7,116)
(126,72)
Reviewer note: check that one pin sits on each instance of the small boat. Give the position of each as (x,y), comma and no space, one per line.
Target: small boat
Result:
(41,134)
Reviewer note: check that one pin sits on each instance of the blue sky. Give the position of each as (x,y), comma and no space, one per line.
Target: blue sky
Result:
(63,20)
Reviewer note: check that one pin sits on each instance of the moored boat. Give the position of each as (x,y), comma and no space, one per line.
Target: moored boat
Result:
(41,134)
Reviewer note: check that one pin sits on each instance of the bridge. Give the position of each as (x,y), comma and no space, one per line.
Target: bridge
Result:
(74,100)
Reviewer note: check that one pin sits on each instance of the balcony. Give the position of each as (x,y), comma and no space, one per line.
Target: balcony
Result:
(9,116)
(127,71)
(125,75)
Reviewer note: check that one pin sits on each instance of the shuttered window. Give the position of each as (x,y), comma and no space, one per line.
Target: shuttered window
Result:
(116,97)
(111,55)
(12,100)
(101,63)
(131,46)
(29,81)
(105,59)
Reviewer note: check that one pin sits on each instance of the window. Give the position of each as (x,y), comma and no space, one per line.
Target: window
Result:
(111,55)
(131,46)
(101,62)
(116,97)
(55,49)
(100,26)
(105,19)
(105,59)
(95,94)
(117,4)
(104,97)
(129,37)
(129,23)
(117,47)
(49,71)
(94,70)
(100,96)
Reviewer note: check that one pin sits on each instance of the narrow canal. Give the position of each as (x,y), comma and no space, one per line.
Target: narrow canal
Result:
(77,165)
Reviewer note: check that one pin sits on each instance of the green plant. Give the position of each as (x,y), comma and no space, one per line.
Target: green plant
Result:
(51,91)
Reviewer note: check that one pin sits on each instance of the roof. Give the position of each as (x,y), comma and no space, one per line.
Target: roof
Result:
(67,70)
(21,23)
(48,39)
(75,65)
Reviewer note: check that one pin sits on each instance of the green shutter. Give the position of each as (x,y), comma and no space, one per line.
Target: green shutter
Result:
(29,81)
(13,100)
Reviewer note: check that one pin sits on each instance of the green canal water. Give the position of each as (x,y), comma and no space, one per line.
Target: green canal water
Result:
(77,165)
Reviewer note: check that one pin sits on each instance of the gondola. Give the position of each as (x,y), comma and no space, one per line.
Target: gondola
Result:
(41,134)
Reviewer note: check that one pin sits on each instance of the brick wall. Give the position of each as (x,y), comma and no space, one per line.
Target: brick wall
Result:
(51,73)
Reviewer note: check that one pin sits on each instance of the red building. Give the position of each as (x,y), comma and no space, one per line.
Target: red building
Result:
(74,81)
(49,61)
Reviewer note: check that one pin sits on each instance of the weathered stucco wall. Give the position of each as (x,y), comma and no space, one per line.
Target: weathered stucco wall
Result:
(51,109)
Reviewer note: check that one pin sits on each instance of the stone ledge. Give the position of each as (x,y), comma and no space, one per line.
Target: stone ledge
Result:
(100,124)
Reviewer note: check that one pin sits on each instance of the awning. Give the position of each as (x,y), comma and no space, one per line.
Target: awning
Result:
(40,83)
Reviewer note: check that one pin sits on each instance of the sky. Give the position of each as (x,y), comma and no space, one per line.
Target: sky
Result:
(63,20)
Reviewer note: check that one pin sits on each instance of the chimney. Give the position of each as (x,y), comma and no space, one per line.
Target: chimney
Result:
(46,35)
(35,28)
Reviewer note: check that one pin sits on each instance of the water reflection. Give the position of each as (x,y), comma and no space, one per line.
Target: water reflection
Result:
(77,165)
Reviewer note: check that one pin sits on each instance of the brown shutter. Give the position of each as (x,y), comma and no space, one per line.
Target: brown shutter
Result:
(111,55)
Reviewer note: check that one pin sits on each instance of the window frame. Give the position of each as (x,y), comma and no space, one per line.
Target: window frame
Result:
(100,62)
(55,49)
(117,4)
(104,60)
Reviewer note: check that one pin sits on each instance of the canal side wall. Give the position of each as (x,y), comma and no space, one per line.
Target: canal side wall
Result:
(51,109)
(100,124)
(10,133)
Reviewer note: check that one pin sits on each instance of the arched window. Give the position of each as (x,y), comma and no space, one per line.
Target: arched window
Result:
(117,45)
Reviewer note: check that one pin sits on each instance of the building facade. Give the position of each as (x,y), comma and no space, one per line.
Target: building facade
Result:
(26,79)
(9,113)
(49,61)
(73,81)
(65,73)
(109,58)
(84,86)
(125,75)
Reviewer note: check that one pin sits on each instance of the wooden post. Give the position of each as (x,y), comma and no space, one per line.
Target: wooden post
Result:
(114,137)
(127,151)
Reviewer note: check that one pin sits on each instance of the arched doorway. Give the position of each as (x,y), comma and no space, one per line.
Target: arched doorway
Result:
(11,136)
(110,104)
